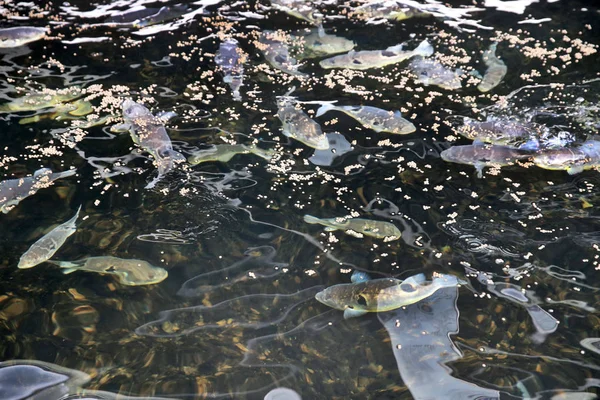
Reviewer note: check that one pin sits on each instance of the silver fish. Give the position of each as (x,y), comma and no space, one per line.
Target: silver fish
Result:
(230,59)
(376,58)
(373,118)
(496,70)
(225,152)
(301,9)
(20,35)
(35,101)
(130,272)
(376,229)
(148,132)
(504,131)
(432,72)
(274,47)
(12,191)
(573,159)
(298,125)
(482,155)
(318,44)
(386,9)
(43,249)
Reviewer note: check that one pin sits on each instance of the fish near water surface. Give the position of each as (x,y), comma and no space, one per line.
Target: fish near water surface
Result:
(432,72)
(130,272)
(230,60)
(482,155)
(276,51)
(20,35)
(44,248)
(373,228)
(373,118)
(35,101)
(12,191)
(367,59)
(391,10)
(496,70)
(298,125)
(225,152)
(365,295)
(504,131)
(319,44)
(572,159)
(301,9)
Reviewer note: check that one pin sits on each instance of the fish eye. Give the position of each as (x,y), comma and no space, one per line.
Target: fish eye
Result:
(362,300)
(407,287)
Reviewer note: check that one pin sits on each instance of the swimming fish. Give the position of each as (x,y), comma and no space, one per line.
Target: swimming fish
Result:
(43,249)
(20,35)
(130,272)
(276,51)
(364,295)
(504,131)
(482,155)
(298,125)
(318,44)
(12,191)
(496,70)
(225,152)
(386,9)
(147,16)
(432,72)
(65,111)
(301,9)
(376,58)
(376,229)
(35,101)
(373,118)
(571,159)
(230,59)
(148,132)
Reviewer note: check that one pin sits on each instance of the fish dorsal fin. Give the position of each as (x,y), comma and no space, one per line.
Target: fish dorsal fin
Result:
(415,280)
(350,313)
(396,48)
(397,114)
(42,171)
(359,276)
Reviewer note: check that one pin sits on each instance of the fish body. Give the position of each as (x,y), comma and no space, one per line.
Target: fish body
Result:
(373,118)
(38,101)
(496,70)
(573,159)
(484,155)
(147,16)
(130,272)
(376,229)
(43,249)
(379,295)
(230,59)
(432,72)
(504,131)
(298,125)
(387,9)
(148,132)
(276,51)
(225,152)
(20,35)
(317,44)
(300,9)
(367,59)
(12,191)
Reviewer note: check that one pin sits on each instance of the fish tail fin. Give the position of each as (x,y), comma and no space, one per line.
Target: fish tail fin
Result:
(324,108)
(66,173)
(424,49)
(74,219)
(309,219)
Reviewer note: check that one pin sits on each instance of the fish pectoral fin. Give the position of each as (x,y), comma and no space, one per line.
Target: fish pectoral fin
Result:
(574,170)
(69,270)
(350,313)
(330,229)
(120,128)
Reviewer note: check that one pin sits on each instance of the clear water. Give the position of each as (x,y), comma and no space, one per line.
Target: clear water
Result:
(236,316)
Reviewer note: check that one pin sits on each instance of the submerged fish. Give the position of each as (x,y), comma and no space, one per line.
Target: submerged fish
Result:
(301,9)
(376,229)
(225,152)
(230,59)
(20,35)
(504,131)
(482,155)
(147,16)
(386,9)
(130,272)
(320,44)
(43,250)
(12,191)
(35,101)
(496,70)
(432,72)
(376,58)
(573,159)
(274,47)
(373,118)
(148,132)
(298,125)
(364,295)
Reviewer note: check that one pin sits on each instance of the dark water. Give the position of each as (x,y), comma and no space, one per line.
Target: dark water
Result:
(236,316)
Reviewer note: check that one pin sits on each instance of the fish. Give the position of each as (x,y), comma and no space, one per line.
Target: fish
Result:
(230,60)
(373,118)
(147,16)
(35,101)
(64,111)
(376,229)
(301,9)
(130,272)
(504,131)
(298,125)
(432,72)
(318,44)
(20,35)
(367,59)
(12,191)
(482,155)
(571,159)
(225,152)
(365,295)
(276,51)
(496,70)
(45,247)
(391,10)
(149,133)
